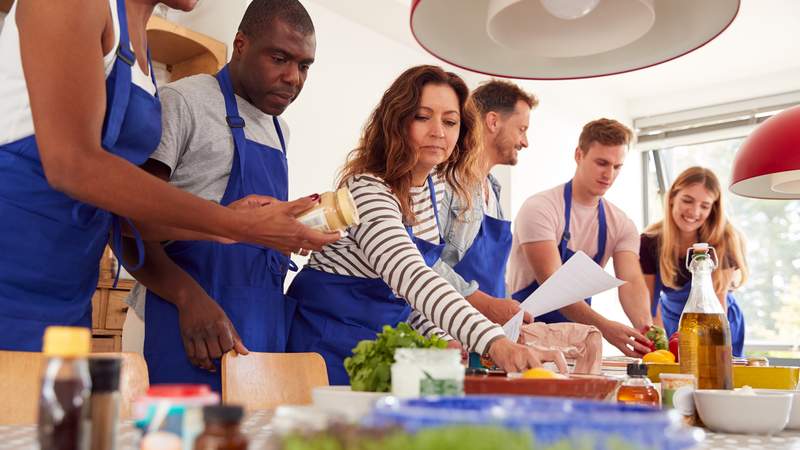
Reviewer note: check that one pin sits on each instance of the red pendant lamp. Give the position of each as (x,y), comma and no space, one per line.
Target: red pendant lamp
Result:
(767,164)
(565,39)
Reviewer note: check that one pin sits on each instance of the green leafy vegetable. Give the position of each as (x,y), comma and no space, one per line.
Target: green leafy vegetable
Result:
(455,437)
(370,366)
(658,336)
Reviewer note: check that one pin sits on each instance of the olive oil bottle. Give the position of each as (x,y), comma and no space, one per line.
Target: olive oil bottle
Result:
(705,335)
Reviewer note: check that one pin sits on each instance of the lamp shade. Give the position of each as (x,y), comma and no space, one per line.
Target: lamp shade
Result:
(564,39)
(767,164)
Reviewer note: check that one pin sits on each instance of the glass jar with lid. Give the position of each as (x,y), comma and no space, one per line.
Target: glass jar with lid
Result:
(426,371)
(335,211)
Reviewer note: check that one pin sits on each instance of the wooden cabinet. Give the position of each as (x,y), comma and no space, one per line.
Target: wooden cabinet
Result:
(108,307)
(185,52)
(5,5)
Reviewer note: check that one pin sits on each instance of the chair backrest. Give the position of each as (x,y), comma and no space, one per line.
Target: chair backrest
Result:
(20,384)
(268,380)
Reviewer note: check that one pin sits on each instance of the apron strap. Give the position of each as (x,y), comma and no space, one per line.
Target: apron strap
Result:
(280,133)
(432,191)
(602,230)
(152,74)
(565,236)
(122,83)
(235,122)
(116,245)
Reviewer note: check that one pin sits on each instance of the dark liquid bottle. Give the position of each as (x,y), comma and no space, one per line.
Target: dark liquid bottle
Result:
(222,429)
(64,402)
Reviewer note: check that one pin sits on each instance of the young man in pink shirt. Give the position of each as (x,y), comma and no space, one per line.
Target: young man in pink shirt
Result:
(552,225)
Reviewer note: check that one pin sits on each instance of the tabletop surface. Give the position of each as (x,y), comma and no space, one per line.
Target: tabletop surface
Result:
(257,428)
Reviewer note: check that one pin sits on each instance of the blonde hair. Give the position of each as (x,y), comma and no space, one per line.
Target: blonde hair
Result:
(716,230)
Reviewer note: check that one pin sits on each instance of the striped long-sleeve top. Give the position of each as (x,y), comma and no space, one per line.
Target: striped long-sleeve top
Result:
(380,247)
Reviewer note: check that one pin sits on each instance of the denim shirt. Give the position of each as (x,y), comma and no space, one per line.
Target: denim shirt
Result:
(459,228)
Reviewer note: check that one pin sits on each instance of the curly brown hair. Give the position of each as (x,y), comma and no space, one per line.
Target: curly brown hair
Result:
(384,149)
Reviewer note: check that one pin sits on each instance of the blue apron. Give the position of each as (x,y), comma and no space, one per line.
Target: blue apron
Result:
(52,244)
(245,280)
(672,302)
(566,254)
(335,312)
(485,260)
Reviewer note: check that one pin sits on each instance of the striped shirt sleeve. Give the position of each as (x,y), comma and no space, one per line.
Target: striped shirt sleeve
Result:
(392,255)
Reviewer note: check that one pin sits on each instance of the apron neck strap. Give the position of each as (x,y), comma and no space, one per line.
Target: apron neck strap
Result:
(432,191)
(235,122)
(278,130)
(602,229)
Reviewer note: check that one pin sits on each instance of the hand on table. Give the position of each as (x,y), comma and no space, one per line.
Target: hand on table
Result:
(513,357)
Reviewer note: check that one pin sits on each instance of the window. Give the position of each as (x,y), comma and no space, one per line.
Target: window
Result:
(770,300)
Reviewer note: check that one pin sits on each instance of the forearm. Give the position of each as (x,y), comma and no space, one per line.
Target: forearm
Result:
(634,298)
(161,275)
(580,312)
(156,232)
(111,183)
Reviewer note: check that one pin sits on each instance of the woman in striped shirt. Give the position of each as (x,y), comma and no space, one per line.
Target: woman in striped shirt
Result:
(421,132)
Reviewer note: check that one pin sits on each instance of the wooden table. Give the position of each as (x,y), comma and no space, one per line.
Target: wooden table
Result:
(257,428)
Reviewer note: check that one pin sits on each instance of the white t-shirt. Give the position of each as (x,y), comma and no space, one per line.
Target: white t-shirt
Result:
(16,121)
(541,218)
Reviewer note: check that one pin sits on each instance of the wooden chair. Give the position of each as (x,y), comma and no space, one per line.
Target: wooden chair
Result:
(268,380)
(20,384)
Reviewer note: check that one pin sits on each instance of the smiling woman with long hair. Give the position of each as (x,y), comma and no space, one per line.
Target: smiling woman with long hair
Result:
(421,134)
(693,212)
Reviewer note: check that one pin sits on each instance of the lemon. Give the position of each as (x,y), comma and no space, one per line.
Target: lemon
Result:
(659,356)
(539,373)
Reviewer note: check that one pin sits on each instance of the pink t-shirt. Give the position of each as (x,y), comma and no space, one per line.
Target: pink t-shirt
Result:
(541,218)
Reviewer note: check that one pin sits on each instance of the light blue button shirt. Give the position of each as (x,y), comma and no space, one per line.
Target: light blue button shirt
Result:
(459,228)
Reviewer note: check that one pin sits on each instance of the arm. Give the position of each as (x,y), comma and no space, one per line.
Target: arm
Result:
(391,253)
(633,295)
(650,282)
(205,328)
(544,258)
(68,102)
(455,228)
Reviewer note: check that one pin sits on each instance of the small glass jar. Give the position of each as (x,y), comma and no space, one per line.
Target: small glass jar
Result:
(222,429)
(637,388)
(335,211)
(427,371)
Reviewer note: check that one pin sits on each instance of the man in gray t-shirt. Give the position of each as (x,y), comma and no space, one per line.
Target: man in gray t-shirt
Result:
(272,53)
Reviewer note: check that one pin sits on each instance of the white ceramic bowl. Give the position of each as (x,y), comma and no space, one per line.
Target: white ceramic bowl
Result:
(743,412)
(352,405)
(794,415)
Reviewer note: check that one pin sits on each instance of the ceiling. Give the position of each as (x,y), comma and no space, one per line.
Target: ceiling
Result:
(762,40)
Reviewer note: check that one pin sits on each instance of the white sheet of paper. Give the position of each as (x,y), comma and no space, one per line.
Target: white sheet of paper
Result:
(513,327)
(578,278)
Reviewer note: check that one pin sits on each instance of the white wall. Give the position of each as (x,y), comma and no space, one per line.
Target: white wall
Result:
(354,66)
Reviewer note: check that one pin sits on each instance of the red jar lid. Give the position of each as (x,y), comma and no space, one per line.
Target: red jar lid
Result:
(178,390)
